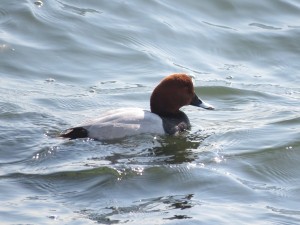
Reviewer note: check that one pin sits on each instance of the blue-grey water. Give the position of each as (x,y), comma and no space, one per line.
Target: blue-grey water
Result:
(64,61)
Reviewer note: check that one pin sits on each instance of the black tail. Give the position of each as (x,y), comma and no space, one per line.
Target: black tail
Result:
(73,133)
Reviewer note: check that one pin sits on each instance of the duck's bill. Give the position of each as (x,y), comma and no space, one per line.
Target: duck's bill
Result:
(205,105)
(199,103)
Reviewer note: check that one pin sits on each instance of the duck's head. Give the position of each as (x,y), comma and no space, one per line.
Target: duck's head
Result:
(172,93)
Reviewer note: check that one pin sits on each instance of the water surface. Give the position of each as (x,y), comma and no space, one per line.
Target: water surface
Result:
(62,62)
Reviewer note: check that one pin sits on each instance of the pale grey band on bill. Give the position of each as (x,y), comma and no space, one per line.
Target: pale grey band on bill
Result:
(205,105)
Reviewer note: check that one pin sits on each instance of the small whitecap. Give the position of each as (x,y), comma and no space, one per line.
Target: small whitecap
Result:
(191,165)
(201,165)
(218,159)
(37,156)
(138,170)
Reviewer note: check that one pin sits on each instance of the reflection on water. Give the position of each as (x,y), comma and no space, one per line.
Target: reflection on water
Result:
(160,206)
(178,150)
(148,150)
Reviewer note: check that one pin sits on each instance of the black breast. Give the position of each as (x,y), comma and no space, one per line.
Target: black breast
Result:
(175,123)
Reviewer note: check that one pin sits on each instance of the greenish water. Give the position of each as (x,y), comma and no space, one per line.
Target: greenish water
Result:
(65,61)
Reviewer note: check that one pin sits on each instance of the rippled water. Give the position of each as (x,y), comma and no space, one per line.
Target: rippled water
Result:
(64,61)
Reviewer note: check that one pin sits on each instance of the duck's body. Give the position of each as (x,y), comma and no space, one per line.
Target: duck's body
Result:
(123,122)
(165,117)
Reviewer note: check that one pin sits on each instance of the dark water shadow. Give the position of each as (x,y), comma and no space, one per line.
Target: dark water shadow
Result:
(178,150)
(166,208)
(158,151)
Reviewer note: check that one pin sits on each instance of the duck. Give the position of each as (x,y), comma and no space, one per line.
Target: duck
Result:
(164,117)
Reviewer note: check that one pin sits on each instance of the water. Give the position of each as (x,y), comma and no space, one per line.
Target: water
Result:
(64,61)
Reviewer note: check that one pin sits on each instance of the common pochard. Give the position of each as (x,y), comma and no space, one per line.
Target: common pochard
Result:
(168,97)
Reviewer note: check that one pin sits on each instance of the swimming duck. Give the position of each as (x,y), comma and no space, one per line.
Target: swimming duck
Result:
(167,98)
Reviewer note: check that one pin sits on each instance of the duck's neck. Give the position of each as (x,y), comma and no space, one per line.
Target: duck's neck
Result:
(168,114)
(175,122)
